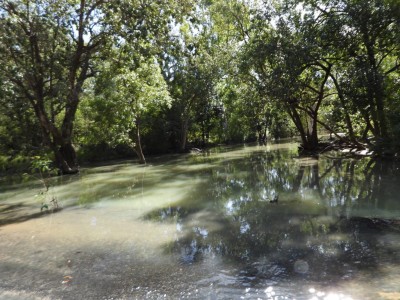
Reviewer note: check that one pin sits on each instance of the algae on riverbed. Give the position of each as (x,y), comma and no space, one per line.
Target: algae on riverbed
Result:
(202,227)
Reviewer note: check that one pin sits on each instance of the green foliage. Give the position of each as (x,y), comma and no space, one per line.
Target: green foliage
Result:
(123,97)
(14,164)
(42,169)
(102,76)
(49,50)
(41,165)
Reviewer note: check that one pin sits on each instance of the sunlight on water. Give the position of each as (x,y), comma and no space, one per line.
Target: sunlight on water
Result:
(318,295)
(251,222)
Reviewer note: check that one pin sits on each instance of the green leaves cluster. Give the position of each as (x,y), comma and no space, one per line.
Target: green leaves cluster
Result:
(329,60)
(175,74)
(121,98)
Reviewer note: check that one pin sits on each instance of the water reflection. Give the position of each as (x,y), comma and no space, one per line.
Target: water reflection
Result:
(204,227)
(327,226)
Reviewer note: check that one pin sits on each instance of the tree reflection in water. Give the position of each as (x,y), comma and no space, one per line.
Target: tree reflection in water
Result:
(325,228)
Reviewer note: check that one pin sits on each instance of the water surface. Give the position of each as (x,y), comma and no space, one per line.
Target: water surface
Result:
(202,226)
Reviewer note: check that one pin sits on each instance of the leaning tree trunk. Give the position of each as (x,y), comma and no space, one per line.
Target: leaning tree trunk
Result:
(295,116)
(308,133)
(342,100)
(35,82)
(60,144)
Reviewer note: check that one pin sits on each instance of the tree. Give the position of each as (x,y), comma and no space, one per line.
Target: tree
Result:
(366,38)
(124,93)
(281,62)
(246,109)
(317,49)
(19,129)
(50,49)
(47,50)
(190,69)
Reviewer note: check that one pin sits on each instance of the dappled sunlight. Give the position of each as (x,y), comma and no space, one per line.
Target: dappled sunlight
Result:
(249,222)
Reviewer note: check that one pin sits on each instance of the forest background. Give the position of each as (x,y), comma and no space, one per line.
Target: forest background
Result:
(90,80)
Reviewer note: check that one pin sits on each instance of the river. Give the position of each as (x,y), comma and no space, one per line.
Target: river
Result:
(242,222)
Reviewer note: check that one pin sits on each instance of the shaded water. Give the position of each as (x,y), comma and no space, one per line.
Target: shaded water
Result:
(203,227)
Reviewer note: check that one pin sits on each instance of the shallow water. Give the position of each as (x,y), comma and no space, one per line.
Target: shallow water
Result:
(203,227)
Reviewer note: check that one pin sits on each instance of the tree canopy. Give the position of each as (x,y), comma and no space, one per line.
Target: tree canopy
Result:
(168,75)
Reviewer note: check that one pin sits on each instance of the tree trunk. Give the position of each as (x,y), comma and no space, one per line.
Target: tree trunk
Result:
(64,152)
(203,134)
(312,111)
(66,158)
(375,91)
(312,138)
(345,109)
(309,140)
(294,115)
(138,144)
(35,61)
(184,134)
